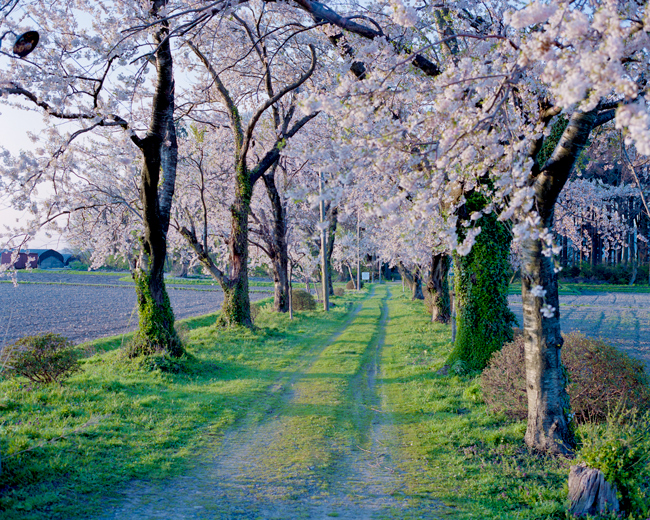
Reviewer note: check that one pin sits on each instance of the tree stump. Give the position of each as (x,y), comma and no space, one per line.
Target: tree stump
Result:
(590,493)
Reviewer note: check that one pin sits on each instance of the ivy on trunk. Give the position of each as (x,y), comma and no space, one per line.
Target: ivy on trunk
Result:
(481,278)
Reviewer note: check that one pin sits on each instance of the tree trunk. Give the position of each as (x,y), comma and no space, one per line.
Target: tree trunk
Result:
(281,286)
(590,493)
(483,318)
(331,235)
(438,288)
(413,279)
(156,331)
(278,246)
(354,282)
(548,402)
(236,309)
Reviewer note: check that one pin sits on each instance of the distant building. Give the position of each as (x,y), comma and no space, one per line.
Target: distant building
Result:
(43,258)
(68,258)
(49,258)
(24,260)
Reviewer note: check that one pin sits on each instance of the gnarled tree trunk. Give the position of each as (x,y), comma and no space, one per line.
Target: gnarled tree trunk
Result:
(483,318)
(438,288)
(159,150)
(236,308)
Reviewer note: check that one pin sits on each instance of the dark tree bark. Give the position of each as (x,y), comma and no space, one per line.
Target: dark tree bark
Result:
(277,250)
(438,288)
(413,279)
(159,151)
(333,213)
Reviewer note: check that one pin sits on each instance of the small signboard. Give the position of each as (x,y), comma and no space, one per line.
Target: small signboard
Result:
(365,275)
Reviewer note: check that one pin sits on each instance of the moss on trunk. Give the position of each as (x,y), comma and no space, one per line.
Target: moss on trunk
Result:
(483,319)
(156,331)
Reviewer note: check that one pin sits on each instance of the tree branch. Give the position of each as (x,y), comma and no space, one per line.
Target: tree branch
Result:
(270,102)
(233,112)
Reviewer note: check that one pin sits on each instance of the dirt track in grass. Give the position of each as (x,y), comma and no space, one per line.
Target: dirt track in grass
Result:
(246,475)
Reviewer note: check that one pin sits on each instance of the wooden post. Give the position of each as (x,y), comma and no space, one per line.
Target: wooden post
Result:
(323,246)
(290,290)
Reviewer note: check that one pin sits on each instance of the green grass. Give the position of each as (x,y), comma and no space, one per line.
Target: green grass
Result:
(577,289)
(451,448)
(65,447)
(68,450)
(326,415)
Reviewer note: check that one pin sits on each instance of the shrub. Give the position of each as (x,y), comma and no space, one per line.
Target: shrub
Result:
(255,311)
(301,300)
(351,285)
(620,448)
(77,265)
(45,358)
(601,378)
(339,291)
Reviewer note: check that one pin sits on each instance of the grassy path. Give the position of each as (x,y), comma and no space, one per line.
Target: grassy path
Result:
(323,449)
(327,416)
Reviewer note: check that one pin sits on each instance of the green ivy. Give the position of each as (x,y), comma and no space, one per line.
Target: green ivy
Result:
(236,307)
(483,319)
(620,448)
(550,143)
(156,333)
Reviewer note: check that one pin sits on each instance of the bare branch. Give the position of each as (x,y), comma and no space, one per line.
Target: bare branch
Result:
(270,102)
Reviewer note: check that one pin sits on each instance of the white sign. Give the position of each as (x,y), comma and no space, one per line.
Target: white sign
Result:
(365,275)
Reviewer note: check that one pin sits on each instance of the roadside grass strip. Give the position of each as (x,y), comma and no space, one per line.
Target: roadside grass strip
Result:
(576,289)
(449,448)
(320,422)
(67,448)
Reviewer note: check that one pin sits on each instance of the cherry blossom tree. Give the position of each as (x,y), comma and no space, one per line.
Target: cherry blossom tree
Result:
(79,77)
(233,94)
(505,119)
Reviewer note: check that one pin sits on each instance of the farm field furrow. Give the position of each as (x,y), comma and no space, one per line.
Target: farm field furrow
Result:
(622,319)
(99,306)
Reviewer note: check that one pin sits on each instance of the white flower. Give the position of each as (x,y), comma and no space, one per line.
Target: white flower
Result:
(547,311)
(538,291)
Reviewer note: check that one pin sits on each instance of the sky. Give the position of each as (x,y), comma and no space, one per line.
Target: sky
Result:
(14,125)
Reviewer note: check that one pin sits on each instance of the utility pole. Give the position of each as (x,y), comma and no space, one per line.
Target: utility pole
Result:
(323,245)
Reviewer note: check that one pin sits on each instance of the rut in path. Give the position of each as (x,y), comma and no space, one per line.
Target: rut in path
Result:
(290,464)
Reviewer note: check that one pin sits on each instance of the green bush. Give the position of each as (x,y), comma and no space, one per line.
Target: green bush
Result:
(601,378)
(77,265)
(255,311)
(45,358)
(339,291)
(351,285)
(301,300)
(619,274)
(620,448)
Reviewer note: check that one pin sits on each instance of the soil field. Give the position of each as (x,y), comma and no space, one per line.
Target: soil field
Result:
(85,307)
(622,319)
